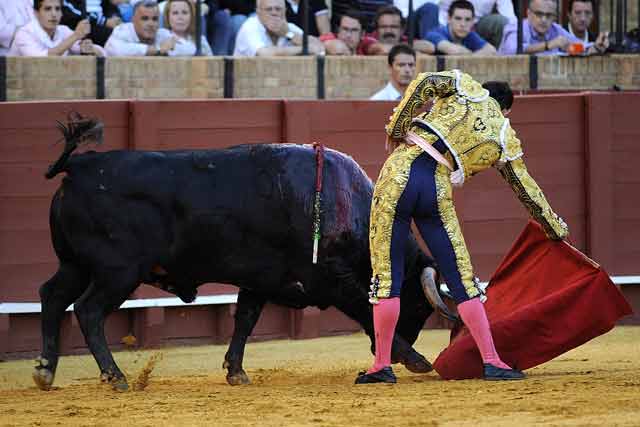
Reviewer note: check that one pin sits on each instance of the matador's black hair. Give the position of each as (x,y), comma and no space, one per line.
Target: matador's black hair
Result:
(501,92)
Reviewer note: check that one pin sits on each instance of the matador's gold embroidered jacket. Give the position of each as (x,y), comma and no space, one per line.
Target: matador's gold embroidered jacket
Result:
(478,136)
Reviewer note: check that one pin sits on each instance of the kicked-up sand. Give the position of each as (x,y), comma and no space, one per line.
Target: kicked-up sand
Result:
(310,383)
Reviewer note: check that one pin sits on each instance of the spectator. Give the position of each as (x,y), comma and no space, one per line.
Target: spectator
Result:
(269,34)
(179,19)
(390,32)
(142,37)
(367,9)
(13,15)
(228,16)
(350,39)
(204,13)
(123,9)
(542,36)
(44,36)
(402,71)
(580,18)
(101,26)
(490,26)
(425,15)
(318,16)
(116,8)
(456,38)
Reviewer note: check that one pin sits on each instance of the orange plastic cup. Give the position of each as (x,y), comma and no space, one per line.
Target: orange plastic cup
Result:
(576,49)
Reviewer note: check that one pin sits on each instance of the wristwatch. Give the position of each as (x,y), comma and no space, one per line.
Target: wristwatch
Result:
(289,36)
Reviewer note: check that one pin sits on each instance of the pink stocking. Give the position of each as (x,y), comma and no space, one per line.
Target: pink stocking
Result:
(385,318)
(475,318)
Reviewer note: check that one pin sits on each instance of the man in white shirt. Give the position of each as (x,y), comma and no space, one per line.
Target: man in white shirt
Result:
(43,36)
(269,34)
(402,67)
(13,15)
(488,25)
(142,37)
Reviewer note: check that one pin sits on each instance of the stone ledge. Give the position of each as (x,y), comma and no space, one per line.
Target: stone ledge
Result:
(292,77)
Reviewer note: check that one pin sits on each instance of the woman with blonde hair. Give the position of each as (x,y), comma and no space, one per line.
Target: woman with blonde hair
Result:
(178,18)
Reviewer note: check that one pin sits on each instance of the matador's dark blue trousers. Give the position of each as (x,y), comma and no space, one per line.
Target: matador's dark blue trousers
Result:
(413,185)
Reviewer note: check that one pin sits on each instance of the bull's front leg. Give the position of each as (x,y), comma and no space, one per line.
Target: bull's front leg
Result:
(248,311)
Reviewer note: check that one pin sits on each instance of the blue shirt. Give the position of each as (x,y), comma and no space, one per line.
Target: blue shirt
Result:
(472,42)
(530,36)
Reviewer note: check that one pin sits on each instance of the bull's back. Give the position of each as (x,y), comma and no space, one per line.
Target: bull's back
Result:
(216,206)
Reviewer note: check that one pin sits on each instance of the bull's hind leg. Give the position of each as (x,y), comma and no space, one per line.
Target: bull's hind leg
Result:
(247,314)
(108,291)
(58,293)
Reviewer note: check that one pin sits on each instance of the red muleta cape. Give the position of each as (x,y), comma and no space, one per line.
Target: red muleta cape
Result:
(545,299)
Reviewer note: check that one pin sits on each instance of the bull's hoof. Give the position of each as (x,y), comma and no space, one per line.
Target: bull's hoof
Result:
(43,378)
(120,385)
(239,378)
(117,383)
(418,365)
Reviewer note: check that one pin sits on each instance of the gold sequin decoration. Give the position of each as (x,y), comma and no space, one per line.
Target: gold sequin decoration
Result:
(391,183)
(531,196)
(471,130)
(452,227)
(422,89)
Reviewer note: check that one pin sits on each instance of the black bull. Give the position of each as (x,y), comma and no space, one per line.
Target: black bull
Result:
(241,216)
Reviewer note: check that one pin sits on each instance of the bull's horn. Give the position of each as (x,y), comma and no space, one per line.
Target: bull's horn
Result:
(429,286)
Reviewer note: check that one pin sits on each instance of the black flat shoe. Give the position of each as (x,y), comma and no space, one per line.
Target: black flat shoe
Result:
(384,375)
(493,373)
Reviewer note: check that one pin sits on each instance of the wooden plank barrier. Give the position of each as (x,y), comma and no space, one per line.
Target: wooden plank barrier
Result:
(580,148)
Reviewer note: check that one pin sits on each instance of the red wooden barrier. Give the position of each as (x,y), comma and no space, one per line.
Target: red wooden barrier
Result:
(581,148)
(27,147)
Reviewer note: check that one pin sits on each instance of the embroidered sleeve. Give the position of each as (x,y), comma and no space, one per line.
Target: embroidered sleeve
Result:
(425,87)
(515,173)
(509,144)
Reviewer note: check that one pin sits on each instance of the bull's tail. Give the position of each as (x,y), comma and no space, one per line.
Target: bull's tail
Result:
(79,130)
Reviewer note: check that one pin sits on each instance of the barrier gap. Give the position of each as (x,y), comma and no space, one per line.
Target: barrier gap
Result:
(101,87)
(320,76)
(533,72)
(3,78)
(228,77)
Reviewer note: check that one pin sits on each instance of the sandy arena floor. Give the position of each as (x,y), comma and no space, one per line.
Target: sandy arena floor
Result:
(311,383)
